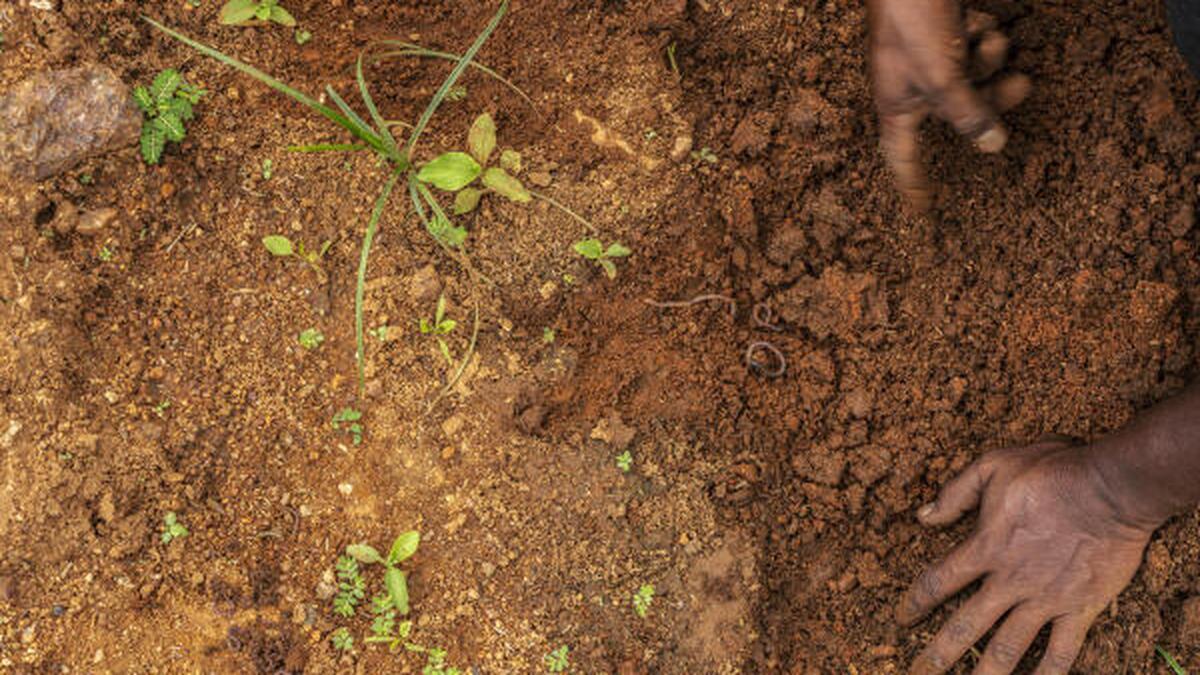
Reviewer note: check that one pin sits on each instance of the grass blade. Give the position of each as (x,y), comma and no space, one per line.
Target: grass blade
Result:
(380,122)
(361,284)
(327,147)
(452,78)
(552,202)
(363,133)
(345,108)
(411,49)
(1175,667)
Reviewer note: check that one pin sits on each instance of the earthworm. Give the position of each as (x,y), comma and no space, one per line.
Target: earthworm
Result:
(764,317)
(776,354)
(708,297)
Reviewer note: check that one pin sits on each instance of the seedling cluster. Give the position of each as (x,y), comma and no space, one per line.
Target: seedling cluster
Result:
(347,419)
(172,529)
(642,599)
(439,327)
(238,12)
(593,249)
(166,105)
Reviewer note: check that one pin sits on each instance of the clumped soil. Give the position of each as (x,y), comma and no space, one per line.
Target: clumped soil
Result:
(1055,291)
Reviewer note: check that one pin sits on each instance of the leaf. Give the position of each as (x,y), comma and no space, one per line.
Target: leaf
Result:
(278,245)
(481,140)
(238,11)
(591,249)
(364,553)
(617,251)
(446,327)
(262,12)
(440,312)
(445,350)
(510,161)
(152,143)
(404,547)
(506,186)
(467,200)
(142,96)
(445,231)
(282,17)
(452,171)
(171,126)
(165,84)
(397,586)
(609,267)
(426,327)
(180,107)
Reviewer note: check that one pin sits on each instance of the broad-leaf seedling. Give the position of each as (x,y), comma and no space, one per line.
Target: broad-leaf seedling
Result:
(238,12)
(394,579)
(172,528)
(625,461)
(592,249)
(342,640)
(280,246)
(166,105)
(310,338)
(557,661)
(439,326)
(351,586)
(642,599)
(349,417)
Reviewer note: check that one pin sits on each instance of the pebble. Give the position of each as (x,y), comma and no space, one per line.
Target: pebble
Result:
(65,218)
(345,488)
(327,586)
(94,221)
(452,425)
(540,178)
(305,511)
(682,148)
(16,253)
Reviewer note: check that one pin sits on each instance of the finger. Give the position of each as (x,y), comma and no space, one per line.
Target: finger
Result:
(962,631)
(976,23)
(963,107)
(1011,641)
(990,55)
(960,495)
(1008,92)
(899,136)
(1066,641)
(940,581)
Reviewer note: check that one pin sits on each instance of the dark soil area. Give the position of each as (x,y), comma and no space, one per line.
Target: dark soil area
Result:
(1055,291)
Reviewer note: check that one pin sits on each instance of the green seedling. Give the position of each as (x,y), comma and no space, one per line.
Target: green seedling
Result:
(239,12)
(166,105)
(456,93)
(349,417)
(642,599)
(556,661)
(280,246)
(380,333)
(438,327)
(671,58)
(86,179)
(172,528)
(268,169)
(310,338)
(705,155)
(105,254)
(625,461)
(303,37)
(351,586)
(394,579)
(592,249)
(160,408)
(1171,662)
(548,336)
(435,660)
(342,640)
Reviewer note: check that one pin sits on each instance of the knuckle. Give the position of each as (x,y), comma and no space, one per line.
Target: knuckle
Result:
(960,630)
(1003,654)
(1058,663)
(929,585)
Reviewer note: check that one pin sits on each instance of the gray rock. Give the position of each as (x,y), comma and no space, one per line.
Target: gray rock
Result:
(54,120)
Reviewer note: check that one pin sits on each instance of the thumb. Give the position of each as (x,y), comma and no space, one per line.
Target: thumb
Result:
(960,495)
(966,110)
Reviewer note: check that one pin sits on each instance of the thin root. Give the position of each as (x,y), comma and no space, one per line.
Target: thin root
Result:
(709,297)
(764,317)
(780,362)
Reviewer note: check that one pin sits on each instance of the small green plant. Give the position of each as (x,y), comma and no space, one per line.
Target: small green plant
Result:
(1171,662)
(642,599)
(705,154)
(349,417)
(439,326)
(342,640)
(556,661)
(282,247)
(237,12)
(105,254)
(351,586)
(268,169)
(303,37)
(592,249)
(671,58)
(549,335)
(625,461)
(435,660)
(310,338)
(172,528)
(166,105)
(394,578)
(457,93)
(160,408)
(380,333)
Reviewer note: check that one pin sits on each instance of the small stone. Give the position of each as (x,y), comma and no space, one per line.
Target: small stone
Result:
(16,253)
(548,290)
(106,509)
(87,443)
(452,425)
(682,148)
(424,285)
(613,431)
(448,452)
(327,586)
(305,511)
(345,489)
(65,218)
(94,221)
(540,178)
(488,570)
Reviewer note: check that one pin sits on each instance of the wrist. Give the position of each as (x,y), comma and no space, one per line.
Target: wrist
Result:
(1125,488)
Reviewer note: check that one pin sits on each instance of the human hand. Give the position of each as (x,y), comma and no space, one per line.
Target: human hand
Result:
(1052,546)
(919,66)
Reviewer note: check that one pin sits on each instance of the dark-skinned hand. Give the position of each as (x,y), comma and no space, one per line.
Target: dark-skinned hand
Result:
(1050,546)
(925,58)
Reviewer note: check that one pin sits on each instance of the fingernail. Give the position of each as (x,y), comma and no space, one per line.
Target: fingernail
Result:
(992,140)
(925,511)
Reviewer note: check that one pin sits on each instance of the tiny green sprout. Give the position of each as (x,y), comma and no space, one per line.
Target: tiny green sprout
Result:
(350,418)
(380,333)
(160,408)
(310,338)
(166,105)
(303,37)
(237,12)
(625,461)
(642,599)
(457,93)
(105,254)
(86,179)
(592,249)
(1171,662)
(268,169)
(394,579)
(282,247)
(705,155)
(342,640)
(548,335)
(439,326)
(671,58)
(435,660)
(172,528)
(556,661)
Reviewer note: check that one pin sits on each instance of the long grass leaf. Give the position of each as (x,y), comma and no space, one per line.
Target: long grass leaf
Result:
(345,108)
(452,78)
(411,49)
(360,287)
(380,122)
(365,134)
(328,147)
